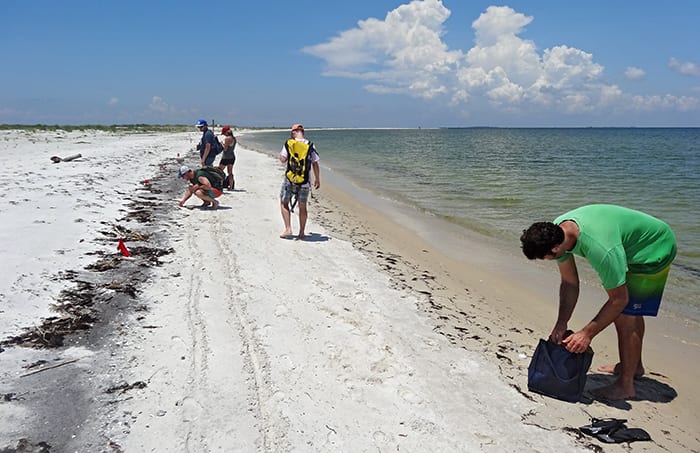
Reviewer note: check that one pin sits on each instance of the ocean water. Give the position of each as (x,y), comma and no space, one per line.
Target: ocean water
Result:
(496,182)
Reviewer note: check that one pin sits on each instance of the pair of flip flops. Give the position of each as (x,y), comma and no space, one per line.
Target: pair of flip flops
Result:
(613,431)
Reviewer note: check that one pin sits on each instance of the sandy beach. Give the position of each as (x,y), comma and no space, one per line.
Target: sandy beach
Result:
(382,331)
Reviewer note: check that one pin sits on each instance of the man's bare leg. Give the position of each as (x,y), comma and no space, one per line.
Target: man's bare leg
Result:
(630,333)
(206,199)
(303,215)
(615,369)
(287,218)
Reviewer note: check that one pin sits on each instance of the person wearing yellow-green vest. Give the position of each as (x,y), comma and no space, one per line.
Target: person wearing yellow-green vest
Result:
(300,157)
(632,253)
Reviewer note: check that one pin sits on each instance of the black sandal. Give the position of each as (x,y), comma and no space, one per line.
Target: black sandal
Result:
(613,431)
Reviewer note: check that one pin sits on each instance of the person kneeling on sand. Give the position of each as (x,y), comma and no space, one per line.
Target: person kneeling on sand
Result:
(199,185)
(632,253)
(301,156)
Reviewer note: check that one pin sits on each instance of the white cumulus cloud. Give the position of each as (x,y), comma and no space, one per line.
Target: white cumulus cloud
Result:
(405,54)
(113,101)
(633,73)
(159,105)
(684,67)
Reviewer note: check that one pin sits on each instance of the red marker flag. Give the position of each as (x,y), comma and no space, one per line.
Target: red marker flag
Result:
(122,248)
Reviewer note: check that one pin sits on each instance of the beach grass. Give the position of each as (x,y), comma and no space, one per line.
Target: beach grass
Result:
(127,128)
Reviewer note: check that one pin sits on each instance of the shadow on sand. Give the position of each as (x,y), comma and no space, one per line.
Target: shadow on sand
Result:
(311,237)
(206,208)
(646,387)
(314,237)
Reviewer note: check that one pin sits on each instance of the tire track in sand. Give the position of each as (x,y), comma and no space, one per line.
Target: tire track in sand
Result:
(197,373)
(226,357)
(272,432)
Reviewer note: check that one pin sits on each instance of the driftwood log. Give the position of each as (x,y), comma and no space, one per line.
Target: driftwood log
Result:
(56,159)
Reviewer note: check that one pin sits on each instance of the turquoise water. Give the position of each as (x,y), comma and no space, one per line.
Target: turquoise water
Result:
(498,181)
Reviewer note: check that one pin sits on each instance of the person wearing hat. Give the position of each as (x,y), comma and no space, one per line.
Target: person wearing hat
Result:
(228,158)
(207,144)
(200,186)
(300,156)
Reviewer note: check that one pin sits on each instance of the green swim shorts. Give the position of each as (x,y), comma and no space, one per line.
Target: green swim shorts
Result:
(645,291)
(213,192)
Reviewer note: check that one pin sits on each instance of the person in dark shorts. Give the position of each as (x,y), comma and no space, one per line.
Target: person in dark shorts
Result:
(229,157)
(632,253)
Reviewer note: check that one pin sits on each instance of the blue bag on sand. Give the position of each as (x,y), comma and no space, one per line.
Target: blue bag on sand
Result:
(558,373)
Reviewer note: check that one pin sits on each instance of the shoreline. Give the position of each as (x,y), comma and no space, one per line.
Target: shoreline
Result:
(490,258)
(472,281)
(481,204)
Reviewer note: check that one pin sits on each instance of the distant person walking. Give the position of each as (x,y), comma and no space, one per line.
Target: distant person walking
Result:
(301,156)
(632,253)
(208,144)
(229,157)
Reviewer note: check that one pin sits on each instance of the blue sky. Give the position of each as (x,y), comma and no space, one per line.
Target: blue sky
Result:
(365,63)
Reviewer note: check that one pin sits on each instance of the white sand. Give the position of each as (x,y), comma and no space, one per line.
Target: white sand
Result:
(250,342)
(52,212)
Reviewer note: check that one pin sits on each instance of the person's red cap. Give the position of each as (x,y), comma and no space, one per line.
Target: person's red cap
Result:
(297,126)
(225,129)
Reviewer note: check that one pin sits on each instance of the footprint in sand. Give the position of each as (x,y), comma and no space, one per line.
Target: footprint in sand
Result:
(278,397)
(485,439)
(178,342)
(333,352)
(409,395)
(281,310)
(429,343)
(321,284)
(381,438)
(192,409)
(464,367)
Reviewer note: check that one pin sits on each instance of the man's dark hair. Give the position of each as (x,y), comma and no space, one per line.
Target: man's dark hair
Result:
(539,240)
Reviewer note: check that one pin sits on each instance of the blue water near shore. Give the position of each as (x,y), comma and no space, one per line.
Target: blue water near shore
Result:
(496,182)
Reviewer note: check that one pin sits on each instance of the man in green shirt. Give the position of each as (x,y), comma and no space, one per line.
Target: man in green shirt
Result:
(632,253)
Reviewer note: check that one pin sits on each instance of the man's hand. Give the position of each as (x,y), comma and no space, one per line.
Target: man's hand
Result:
(577,342)
(317,184)
(558,333)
